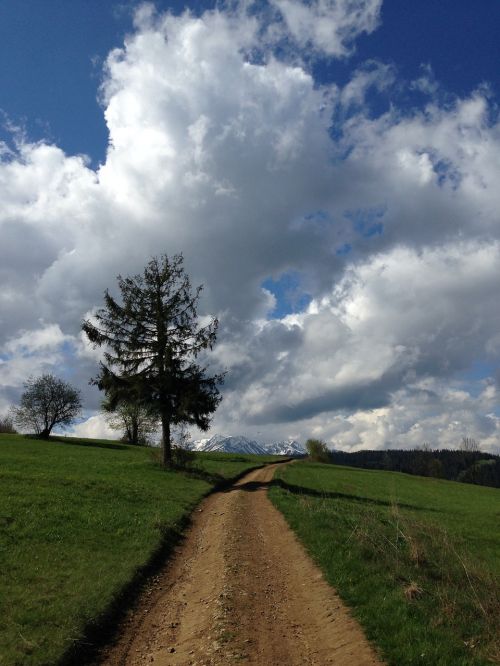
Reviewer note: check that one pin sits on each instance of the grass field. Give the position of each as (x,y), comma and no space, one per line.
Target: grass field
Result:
(78,520)
(418,559)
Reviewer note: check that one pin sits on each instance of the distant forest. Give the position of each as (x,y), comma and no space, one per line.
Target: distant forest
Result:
(466,466)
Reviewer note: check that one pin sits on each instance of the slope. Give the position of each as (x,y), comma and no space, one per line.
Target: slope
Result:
(78,520)
(417,559)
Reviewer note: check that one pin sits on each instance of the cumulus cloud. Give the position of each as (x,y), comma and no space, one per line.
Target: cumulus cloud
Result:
(399,319)
(372,75)
(329,26)
(30,352)
(94,427)
(222,145)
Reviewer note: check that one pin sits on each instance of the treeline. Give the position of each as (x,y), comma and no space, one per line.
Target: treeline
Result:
(466,466)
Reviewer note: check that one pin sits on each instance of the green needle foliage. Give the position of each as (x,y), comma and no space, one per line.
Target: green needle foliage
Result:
(152,340)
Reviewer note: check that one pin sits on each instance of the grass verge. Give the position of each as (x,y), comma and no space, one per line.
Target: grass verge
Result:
(80,520)
(417,559)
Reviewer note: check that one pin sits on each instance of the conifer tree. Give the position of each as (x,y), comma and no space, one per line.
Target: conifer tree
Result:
(152,340)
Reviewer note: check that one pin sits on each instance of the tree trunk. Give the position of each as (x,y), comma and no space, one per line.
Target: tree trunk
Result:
(44,434)
(135,432)
(166,445)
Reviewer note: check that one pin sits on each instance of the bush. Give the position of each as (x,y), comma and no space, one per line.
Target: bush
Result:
(183,458)
(318,451)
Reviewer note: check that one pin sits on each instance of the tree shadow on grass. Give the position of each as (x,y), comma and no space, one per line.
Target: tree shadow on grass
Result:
(252,486)
(201,474)
(220,482)
(100,632)
(191,471)
(91,443)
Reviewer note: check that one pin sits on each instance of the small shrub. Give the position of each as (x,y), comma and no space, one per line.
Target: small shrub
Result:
(318,451)
(183,458)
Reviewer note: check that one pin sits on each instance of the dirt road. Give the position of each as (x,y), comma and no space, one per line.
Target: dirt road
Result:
(241,590)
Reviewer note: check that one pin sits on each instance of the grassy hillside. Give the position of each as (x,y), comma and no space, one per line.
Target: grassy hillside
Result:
(418,559)
(78,519)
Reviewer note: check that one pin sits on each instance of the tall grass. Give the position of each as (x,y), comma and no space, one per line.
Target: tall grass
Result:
(416,559)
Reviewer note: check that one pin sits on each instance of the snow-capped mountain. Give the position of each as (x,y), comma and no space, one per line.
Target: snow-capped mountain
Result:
(289,447)
(241,444)
(237,444)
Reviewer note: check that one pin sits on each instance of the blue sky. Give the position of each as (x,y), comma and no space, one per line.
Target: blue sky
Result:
(51,55)
(331,176)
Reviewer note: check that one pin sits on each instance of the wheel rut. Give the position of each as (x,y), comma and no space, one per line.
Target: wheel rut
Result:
(240,589)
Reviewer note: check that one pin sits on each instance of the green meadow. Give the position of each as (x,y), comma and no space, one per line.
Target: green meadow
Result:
(79,520)
(417,559)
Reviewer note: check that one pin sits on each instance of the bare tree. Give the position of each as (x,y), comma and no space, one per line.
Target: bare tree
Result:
(182,455)
(469,444)
(136,421)
(180,436)
(426,447)
(46,402)
(7,425)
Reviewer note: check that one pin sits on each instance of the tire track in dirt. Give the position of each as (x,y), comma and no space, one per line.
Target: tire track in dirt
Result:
(240,589)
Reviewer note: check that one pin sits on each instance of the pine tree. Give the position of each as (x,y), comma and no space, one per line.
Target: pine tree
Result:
(152,340)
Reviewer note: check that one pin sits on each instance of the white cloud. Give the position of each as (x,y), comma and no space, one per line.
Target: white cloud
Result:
(28,342)
(329,26)
(31,353)
(393,323)
(94,427)
(440,415)
(372,75)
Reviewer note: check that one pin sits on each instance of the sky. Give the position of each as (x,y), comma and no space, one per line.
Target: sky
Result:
(329,170)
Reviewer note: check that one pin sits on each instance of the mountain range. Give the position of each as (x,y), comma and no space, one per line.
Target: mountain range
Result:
(241,444)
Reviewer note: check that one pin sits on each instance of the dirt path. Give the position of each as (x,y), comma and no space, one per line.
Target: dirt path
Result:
(241,589)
